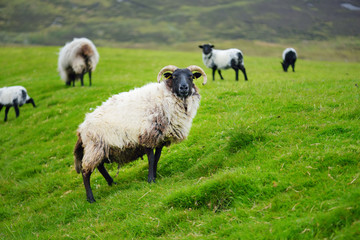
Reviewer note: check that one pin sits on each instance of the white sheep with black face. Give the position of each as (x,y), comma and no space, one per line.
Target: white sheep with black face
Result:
(223,59)
(77,58)
(131,124)
(14,96)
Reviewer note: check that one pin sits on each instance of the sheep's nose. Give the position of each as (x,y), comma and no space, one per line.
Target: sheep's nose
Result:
(184,87)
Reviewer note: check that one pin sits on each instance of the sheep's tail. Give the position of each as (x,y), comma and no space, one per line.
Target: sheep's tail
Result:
(78,154)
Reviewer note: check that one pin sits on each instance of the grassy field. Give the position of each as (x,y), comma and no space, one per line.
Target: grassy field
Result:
(276,157)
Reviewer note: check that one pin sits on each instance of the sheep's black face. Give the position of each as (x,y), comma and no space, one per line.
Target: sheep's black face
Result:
(207,48)
(285,66)
(182,82)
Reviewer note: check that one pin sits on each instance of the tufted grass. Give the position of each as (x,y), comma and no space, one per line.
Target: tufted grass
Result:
(276,157)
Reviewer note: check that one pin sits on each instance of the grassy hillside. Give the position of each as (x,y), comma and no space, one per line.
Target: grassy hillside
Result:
(167,22)
(276,157)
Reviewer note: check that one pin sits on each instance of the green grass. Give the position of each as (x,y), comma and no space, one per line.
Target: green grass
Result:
(276,157)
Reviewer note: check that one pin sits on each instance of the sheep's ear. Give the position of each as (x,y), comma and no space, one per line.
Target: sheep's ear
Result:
(200,46)
(212,46)
(168,75)
(196,75)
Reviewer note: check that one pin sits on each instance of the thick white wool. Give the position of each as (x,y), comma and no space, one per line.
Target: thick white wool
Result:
(69,57)
(288,50)
(221,58)
(9,94)
(124,118)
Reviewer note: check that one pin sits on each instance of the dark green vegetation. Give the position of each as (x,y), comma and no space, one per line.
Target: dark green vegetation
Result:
(276,157)
(166,22)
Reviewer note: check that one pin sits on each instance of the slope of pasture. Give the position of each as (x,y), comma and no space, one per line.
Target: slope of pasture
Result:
(164,22)
(276,157)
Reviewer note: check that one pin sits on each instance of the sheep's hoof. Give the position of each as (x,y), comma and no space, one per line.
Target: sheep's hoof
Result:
(91,200)
(151,180)
(112,183)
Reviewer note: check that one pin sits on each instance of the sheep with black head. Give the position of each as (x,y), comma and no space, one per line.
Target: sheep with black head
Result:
(223,59)
(14,96)
(142,121)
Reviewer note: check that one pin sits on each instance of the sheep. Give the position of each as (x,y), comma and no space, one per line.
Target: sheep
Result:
(14,96)
(223,59)
(76,59)
(131,124)
(289,57)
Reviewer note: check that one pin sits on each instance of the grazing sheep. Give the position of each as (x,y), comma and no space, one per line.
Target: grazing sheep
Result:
(289,58)
(76,59)
(15,96)
(223,59)
(131,124)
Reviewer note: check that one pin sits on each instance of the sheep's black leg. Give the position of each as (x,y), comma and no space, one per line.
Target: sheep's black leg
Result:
(242,68)
(89,194)
(236,74)
(71,77)
(151,160)
(31,101)
(1,106)
(82,79)
(220,74)
(6,112)
(105,174)
(293,67)
(68,81)
(89,77)
(236,69)
(157,157)
(17,111)
(72,80)
(213,73)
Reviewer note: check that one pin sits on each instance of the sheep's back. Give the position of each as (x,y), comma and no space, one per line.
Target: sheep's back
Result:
(146,116)
(119,120)
(223,57)
(287,50)
(69,56)
(9,94)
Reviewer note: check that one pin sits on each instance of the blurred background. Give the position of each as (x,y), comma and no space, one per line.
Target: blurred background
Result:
(185,23)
